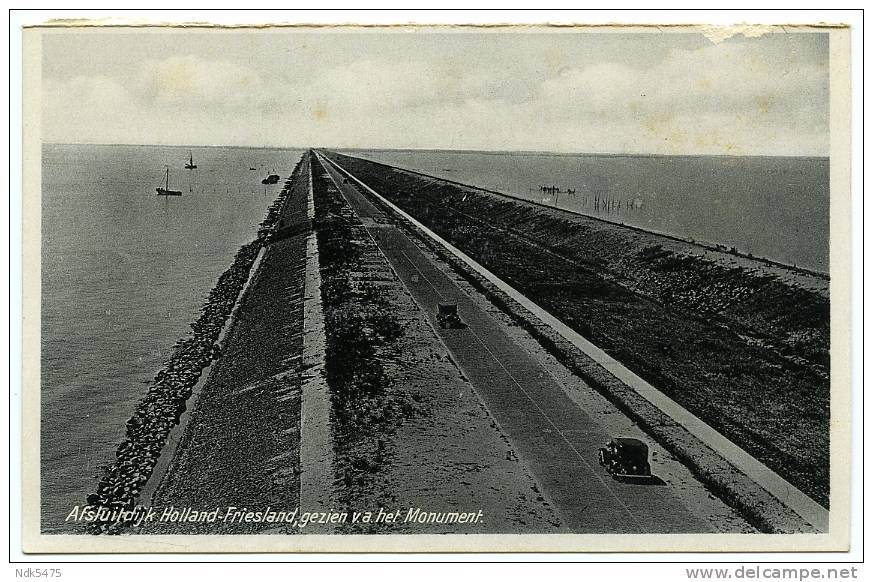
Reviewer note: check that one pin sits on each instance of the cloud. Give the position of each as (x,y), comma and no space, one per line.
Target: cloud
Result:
(735,97)
(719,99)
(388,86)
(192,82)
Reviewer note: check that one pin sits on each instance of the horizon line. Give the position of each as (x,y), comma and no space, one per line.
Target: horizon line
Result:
(443,150)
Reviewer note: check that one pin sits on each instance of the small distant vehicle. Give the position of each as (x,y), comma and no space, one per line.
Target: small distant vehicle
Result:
(625,457)
(447,315)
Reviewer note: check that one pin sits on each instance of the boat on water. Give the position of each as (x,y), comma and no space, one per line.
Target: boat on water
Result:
(190,165)
(165,191)
(271,179)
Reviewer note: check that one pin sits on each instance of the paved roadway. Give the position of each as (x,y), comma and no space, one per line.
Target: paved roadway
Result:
(555,438)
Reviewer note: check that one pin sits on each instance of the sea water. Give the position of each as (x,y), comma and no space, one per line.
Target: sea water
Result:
(124,272)
(772,207)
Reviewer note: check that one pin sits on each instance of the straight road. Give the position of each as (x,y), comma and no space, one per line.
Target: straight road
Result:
(556,439)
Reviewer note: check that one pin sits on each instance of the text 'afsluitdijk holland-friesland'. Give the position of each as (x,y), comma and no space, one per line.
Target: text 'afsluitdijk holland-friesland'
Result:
(295,517)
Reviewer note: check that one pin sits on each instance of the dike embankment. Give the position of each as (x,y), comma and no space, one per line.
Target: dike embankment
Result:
(408,430)
(229,431)
(328,396)
(241,445)
(743,347)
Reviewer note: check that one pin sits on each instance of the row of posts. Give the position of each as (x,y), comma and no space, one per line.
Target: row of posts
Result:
(599,203)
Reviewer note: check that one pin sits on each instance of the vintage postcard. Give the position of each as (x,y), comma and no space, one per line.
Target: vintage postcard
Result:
(508,288)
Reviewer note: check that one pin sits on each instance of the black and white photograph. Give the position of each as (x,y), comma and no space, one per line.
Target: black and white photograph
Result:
(434,288)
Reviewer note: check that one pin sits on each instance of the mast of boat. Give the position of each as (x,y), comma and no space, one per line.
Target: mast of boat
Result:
(167,188)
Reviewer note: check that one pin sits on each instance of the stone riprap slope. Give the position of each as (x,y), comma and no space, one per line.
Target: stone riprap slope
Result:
(240,447)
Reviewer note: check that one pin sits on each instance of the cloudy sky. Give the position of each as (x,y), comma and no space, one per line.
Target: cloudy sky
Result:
(568,91)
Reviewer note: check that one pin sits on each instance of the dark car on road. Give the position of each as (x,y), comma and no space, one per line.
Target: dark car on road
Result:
(447,315)
(625,457)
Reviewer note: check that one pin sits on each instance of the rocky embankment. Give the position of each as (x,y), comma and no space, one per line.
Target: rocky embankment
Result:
(743,345)
(241,445)
(166,398)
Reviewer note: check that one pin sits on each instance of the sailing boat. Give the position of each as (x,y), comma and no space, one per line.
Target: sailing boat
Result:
(166,190)
(190,165)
